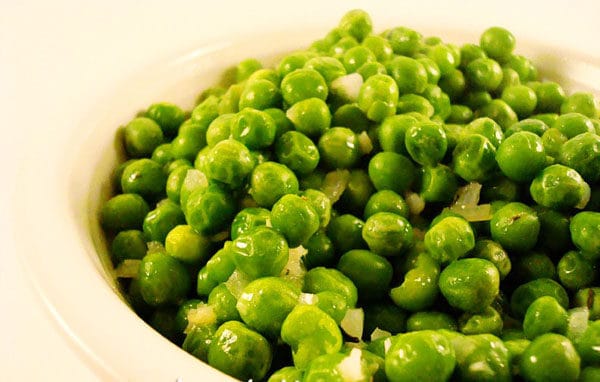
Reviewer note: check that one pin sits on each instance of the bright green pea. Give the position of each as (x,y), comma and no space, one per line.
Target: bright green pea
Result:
(492,251)
(295,218)
(123,212)
(240,352)
(585,232)
(260,94)
(345,231)
(498,43)
(522,66)
(223,304)
(587,345)
(245,68)
(270,75)
(287,374)
(470,284)
(419,289)
(572,124)
(329,67)
(322,279)
(582,153)
(303,84)
(230,162)
(432,69)
(560,187)
(453,84)
(310,116)
(430,320)
(469,53)
(419,356)
(181,318)
(254,128)
(247,219)
(144,177)
(444,56)
(381,48)
(339,148)
(527,293)
(488,321)
(391,171)
(378,97)
(410,76)
(342,45)
(426,143)
(192,181)
(320,203)
(270,181)
(282,123)
(310,332)
(574,271)
(550,357)
(160,221)
(370,273)
(265,303)
(167,115)
(439,100)
(481,357)
(209,210)
(209,109)
(499,111)
(392,131)
(488,128)
(531,125)
(521,99)
(332,303)
(515,226)
(387,234)
(357,56)
(260,252)
(544,315)
(221,265)
(438,184)
(521,156)
(451,238)
(163,279)
(187,246)
(553,139)
(356,23)
(141,137)
(369,69)
(484,74)
(580,102)
(386,201)
(352,117)
(414,103)
(511,78)
(404,41)
(474,158)
(293,61)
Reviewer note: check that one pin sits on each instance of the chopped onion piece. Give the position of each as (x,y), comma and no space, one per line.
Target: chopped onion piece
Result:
(308,299)
(128,269)
(294,270)
(577,322)
(353,322)
(237,282)
(347,87)
(468,195)
(351,368)
(480,213)
(378,333)
(387,344)
(416,204)
(364,143)
(155,247)
(335,184)
(195,179)
(201,315)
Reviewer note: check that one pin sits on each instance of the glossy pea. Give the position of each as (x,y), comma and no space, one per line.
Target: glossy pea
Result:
(419,288)
(451,238)
(183,243)
(560,187)
(129,244)
(580,102)
(141,137)
(585,232)
(582,153)
(310,116)
(515,226)
(303,84)
(474,158)
(144,177)
(492,251)
(550,357)
(209,211)
(321,279)
(295,218)
(392,132)
(247,219)
(163,279)
(391,171)
(123,212)
(378,97)
(270,181)
(488,321)
(544,315)
(262,251)
(527,293)
(426,143)
(345,231)
(339,148)
(320,203)
(160,221)
(387,234)
(574,271)
(386,201)
(430,320)
(410,76)
(372,284)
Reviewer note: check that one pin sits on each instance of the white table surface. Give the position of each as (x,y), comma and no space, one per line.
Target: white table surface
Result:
(51,56)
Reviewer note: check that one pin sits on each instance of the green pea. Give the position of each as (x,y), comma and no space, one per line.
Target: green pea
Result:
(419,289)
(418,356)
(260,252)
(320,203)
(488,128)
(386,201)
(484,74)
(500,188)
(585,232)
(409,74)
(209,109)
(516,348)
(221,265)
(445,57)
(339,148)
(357,56)
(521,156)
(282,123)
(270,181)
(378,97)
(163,321)
(587,345)
(181,318)
(352,117)
(589,374)
(204,282)
(582,153)
(193,180)
(230,162)
(144,177)
(451,238)
(357,193)
(160,221)
(470,284)
(439,100)
(481,357)
(254,128)
(245,68)
(163,279)
(387,234)
(474,158)
(589,298)
(391,171)
(554,235)
(129,244)
(527,293)
(329,67)
(544,315)
(322,279)
(247,219)
(338,49)
(523,66)
(499,111)
(310,116)
(430,320)
(295,218)
(141,137)
(293,61)
(477,99)
(574,271)
(209,211)
(287,374)
(223,304)
(369,69)
(510,78)
(426,143)
(532,266)
(392,132)
(310,332)
(531,125)
(302,84)
(515,226)
(356,23)
(550,357)
(550,96)
(404,41)
(469,53)
(488,321)
(123,212)
(572,124)
(498,43)
(414,103)
(553,139)
(345,231)
(167,115)
(384,316)
(197,341)
(370,273)
(320,251)
(521,99)
(183,243)
(560,187)
(580,102)
(381,47)
(493,252)
(270,75)
(453,83)
(240,352)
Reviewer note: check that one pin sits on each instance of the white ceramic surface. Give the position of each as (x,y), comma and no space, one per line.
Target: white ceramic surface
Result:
(127,56)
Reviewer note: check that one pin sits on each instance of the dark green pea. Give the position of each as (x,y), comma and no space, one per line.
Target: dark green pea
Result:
(198,340)
(339,148)
(589,374)
(453,84)
(572,124)
(500,188)
(345,231)
(451,238)
(297,152)
(474,158)
(553,139)
(144,177)
(221,265)
(320,251)
(585,232)
(516,227)
(560,187)
(470,284)
(387,234)
(223,304)
(419,289)
(391,171)
(352,117)
(386,201)
(438,184)
(521,99)
(209,211)
(550,357)
(574,272)
(392,131)
(303,84)
(430,320)
(544,315)
(476,99)
(158,222)
(247,219)
(454,134)
(204,282)
(521,156)
(554,235)
(426,143)
(582,153)
(260,252)
(532,266)
(384,316)
(500,112)
(404,41)
(167,115)
(587,345)
(163,321)
(240,352)
(408,73)
(488,321)
(527,293)
(270,181)
(129,244)
(469,53)
(580,102)
(492,251)
(498,43)
(370,273)
(163,279)
(123,212)
(357,192)
(162,154)
(484,74)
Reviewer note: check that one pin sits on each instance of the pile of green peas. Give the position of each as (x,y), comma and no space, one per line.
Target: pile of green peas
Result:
(288,205)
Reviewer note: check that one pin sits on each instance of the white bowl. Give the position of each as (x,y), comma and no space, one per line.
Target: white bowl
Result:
(62,187)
